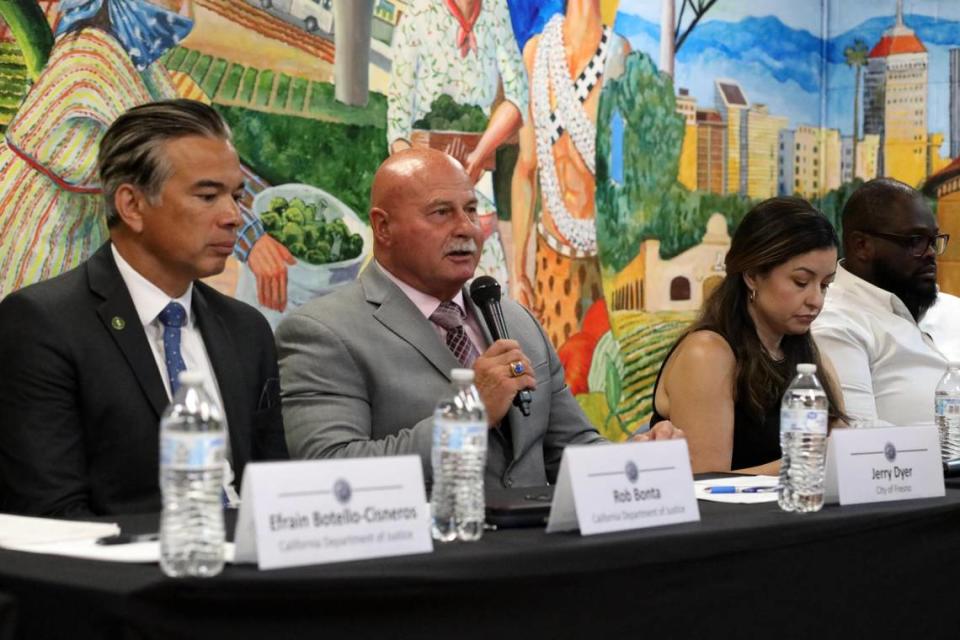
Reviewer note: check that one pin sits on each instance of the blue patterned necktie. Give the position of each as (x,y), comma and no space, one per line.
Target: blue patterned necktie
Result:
(450,316)
(172,318)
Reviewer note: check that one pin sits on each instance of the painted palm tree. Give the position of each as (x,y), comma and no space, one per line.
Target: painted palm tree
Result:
(856,56)
(31,31)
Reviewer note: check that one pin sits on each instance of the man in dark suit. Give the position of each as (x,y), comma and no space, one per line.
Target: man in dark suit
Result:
(91,357)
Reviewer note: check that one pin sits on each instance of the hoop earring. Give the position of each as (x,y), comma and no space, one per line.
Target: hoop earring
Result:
(753,295)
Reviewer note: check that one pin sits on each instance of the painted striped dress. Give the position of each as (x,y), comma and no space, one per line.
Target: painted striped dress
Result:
(51,209)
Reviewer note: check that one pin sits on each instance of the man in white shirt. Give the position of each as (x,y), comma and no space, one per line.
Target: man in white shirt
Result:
(92,357)
(885,326)
(364,367)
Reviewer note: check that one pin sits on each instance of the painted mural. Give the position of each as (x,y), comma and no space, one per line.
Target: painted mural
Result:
(612,163)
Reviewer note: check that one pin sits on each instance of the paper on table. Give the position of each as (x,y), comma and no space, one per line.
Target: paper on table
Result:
(23,530)
(77,539)
(701,488)
(135,552)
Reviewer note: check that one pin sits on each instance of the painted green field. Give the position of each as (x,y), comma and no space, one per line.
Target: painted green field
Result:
(645,339)
(235,85)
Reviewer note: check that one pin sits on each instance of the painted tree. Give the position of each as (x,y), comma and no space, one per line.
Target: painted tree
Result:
(352,25)
(856,56)
(31,31)
(670,46)
(637,121)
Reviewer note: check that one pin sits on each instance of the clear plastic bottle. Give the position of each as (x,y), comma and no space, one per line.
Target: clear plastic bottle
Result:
(192,447)
(459,456)
(947,411)
(803,442)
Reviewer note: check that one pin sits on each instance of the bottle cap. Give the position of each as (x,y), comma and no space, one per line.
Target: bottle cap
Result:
(189,377)
(806,367)
(461,375)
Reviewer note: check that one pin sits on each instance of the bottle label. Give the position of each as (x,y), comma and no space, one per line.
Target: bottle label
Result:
(948,406)
(803,420)
(457,433)
(192,451)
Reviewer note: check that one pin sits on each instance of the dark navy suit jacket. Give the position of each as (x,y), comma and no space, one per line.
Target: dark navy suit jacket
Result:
(81,395)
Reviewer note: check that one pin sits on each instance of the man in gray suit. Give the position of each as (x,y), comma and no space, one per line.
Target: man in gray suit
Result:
(362,369)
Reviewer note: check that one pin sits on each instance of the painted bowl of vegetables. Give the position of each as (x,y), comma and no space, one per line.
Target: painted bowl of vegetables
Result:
(329,241)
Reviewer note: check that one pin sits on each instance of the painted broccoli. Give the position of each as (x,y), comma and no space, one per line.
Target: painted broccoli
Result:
(303,228)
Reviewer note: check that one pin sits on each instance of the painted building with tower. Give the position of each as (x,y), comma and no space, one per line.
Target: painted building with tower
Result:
(895,101)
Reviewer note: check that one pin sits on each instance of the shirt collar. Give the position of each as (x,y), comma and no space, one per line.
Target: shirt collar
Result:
(425,302)
(870,294)
(148,299)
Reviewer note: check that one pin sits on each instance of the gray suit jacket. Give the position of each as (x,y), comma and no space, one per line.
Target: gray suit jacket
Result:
(361,371)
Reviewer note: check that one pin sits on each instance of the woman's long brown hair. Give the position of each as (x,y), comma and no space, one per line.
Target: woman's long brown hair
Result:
(771,233)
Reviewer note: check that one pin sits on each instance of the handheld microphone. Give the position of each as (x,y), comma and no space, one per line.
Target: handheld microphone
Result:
(485,293)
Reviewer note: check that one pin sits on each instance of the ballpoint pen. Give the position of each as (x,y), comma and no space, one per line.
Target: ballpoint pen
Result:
(733,489)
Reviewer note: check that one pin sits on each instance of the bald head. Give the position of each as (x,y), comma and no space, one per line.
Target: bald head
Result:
(878,203)
(424,219)
(409,171)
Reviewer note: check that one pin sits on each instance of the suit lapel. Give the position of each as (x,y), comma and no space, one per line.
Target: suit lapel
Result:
(223,358)
(398,314)
(120,318)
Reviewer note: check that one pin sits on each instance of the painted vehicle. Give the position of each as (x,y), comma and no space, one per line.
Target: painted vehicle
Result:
(312,15)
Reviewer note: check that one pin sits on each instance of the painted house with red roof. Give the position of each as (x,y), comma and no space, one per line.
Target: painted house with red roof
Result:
(895,102)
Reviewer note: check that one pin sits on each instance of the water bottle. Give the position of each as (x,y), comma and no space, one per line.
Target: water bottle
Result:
(459,456)
(803,442)
(192,446)
(947,411)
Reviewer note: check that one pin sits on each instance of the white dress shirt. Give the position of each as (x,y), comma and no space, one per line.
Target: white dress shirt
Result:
(942,322)
(149,300)
(888,364)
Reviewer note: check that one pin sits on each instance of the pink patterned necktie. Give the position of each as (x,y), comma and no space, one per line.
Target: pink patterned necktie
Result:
(450,317)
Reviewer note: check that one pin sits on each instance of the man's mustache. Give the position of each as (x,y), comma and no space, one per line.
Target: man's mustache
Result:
(462,246)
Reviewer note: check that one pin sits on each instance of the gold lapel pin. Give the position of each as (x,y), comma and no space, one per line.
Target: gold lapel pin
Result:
(118,323)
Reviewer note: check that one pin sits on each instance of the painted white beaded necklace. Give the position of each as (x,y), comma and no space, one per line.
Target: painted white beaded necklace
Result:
(551,69)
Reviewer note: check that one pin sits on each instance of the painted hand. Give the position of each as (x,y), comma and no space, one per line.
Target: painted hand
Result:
(268,261)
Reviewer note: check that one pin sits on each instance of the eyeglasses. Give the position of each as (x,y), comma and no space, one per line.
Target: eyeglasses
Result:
(917,245)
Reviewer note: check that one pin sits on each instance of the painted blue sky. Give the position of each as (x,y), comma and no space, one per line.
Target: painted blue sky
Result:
(775,50)
(842,15)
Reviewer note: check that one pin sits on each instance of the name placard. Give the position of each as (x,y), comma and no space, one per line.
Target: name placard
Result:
(319,511)
(882,464)
(616,487)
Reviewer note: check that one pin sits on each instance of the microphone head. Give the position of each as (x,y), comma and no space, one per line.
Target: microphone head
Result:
(484,289)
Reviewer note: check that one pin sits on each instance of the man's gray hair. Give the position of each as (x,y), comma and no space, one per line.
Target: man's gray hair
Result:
(131,151)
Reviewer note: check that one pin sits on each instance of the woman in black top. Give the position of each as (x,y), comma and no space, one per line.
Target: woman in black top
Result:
(723,380)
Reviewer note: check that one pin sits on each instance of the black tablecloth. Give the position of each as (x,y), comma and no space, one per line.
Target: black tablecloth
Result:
(886,570)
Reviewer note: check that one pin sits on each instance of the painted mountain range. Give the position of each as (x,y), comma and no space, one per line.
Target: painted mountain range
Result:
(786,68)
